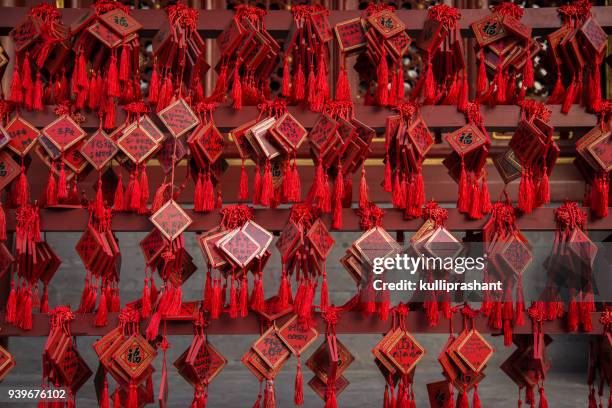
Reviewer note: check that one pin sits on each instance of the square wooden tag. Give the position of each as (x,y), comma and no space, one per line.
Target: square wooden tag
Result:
(289,240)
(99,149)
(152,245)
(321,26)
(8,169)
(120,22)
(475,351)
(259,234)
(421,137)
(319,237)
(134,356)
(290,130)
(466,139)
(387,23)
(601,150)
(137,144)
(404,352)
(178,118)
(240,248)
(376,243)
(320,387)
(171,220)
(516,254)
(297,337)
(488,29)
(23,135)
(271,349)
(350,35)
(104,34)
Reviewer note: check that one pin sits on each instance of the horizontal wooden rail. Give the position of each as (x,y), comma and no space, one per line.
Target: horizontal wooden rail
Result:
(444,117)
(212,22)
(350,323)
(75,220)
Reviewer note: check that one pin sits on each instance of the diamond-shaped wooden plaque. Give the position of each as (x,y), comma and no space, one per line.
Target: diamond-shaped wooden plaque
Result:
(178,118)
(475,351)
(135,355)
(8,169)
(320,238)
(64,132)
(23,135)
(99,149)
(297,337)
(171,220)
(404,352)
(137,144)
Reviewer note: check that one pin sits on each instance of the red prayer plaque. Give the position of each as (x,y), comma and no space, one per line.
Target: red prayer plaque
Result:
(320,238)
(290,130)
(376,243)
(488,29)
(171,220)
(516,254)
(147,123)
(466,139)
(271,348)
(212,144)
(594,35)
(320,387)
(241,248)
(259,235)
(404,352)
(421,137)
(601,150)
(350,35)
(7,362)
(208,244)
(137,144)
(25,33)
(23,135)
(322,130)
(297,337)
(430,36)
(508,166)
(320,361)
(517,28)
(8,169)
(399,43)
(64,132)
(475,351)
(441,243)
(178,118)
(582,246)
(120,22)
(152,246)
(387,23)
(321,25)
(164,155)
(208,363)
(134,356)
(74,159)
(439,394)
(289,240)
(104,34)
(99,149)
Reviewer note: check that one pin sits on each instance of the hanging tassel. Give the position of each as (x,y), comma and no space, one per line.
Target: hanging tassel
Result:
(595,94)
(16,85)
(269,400)
(382,74)
(573,317)
(102,313)
(118,200)
(135,192)
(267,186)
(528,80)
(198,194)
(299,86)
(284,292)
(462,195)
(430,84)
(474,212)
(462,102)
(556,96)
(298,396)
(38,93)
(543,401)
(324,293)
(520,303)
(525,200)
(337,199)
(104,397)
(51,190)
(257,301)
(26,323)
(236,90)
(482,82)
(244,295)
(462,399)
(258,400)
(363,189)
(243,190)
(44,303)
(62,186)
(144,191)
(116,399)
(112,79)
(145,309)
(154,85)
(343,89)
(124,64)
(476,398)
(233,302)
(21,194)
(286,87)
(11,305)
(500,85)
(393,90)
(311,88)
(257,186)
(296,190)
(544,188)
(132,401)
(569,97)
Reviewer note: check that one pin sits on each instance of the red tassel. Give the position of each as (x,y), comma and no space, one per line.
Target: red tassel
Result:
(500,85)
(198,194)
(382,74)
(21,195)
(462,101)
(118,201)
(462,400)
(528,80)
(343,89)
(337,199)
(244,294)
(311,88)
(525,200)
(543,401)
(476,398)
(298,397)
(544,188)
(51,190)
(557,93)
(44,303)
(573,317)
(482,82)
(38,93)
(145,309)
(11,305)
(322,86)
(286,88)
(16,85)
(284,292)
(104,397)
(154,85)
(475,201)
(144,191)
(236,90)
(132,401)
(387,180)
(116,399)
(62,186)
(363,189)
(257,186)
(393,90)
(243,190)
(112,80)
(267,186)
(124,65)
(102,313)
(430,84)
(324,293)
(233,301)
(26,323)
(485,199)
(299,87)
(269,400)
(462,195)
(569,97)
(595,94)
(520,303)
(257,301)
(135,192)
